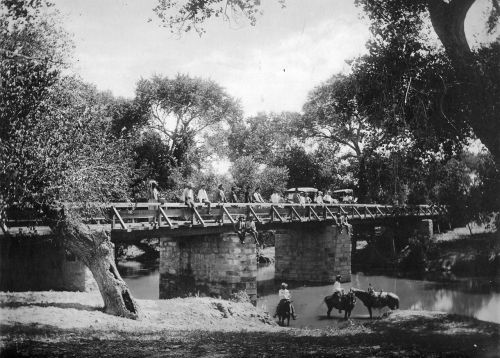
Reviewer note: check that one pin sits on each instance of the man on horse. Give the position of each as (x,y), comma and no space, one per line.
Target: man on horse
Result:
(338,291)
(285,296)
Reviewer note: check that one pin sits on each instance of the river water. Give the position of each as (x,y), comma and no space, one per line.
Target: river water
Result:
(473,297)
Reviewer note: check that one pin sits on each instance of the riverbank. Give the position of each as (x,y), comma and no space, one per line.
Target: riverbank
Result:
(72,324)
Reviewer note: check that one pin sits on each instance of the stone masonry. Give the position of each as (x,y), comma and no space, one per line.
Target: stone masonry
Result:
(313,253)
(214,265)
(38,264)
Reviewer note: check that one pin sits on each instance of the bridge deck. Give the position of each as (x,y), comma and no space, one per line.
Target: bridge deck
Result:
(133,221)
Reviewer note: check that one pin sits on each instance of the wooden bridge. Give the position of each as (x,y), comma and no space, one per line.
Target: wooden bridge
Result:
(136,221)
(201,252)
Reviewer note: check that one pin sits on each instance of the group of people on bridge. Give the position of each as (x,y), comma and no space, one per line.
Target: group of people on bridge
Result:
(247,196)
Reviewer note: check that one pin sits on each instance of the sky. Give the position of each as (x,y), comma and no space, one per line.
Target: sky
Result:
(269,67)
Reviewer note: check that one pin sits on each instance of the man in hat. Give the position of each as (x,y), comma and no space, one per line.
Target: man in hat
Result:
(250,228)
(188,198)
(285,296)
(337,289)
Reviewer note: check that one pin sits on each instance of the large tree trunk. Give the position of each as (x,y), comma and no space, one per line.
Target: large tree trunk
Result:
(448,18)
(96,251)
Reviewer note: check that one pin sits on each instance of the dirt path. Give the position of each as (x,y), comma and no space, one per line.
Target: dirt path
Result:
(71,324)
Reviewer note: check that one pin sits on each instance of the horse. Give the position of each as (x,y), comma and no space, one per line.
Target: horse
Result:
(345,302)
(284,312)
(377,300)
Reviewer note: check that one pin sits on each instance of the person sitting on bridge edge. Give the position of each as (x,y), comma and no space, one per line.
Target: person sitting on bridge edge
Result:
(250,228)
(285,296)
(327,198)
(318,198)
(203,197)
(275,197)
(257,198)
(239,227)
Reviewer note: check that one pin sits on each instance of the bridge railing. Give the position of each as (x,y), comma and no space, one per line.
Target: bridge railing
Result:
(127,216)
(137,216)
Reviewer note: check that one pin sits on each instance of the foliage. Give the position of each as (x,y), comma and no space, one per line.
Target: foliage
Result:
(182,108)
(443,96)
(265,137)
(245,171)
(55,140)
(332,113)
(273,179)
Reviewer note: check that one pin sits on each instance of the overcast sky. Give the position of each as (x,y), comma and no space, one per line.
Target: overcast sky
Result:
(269,67)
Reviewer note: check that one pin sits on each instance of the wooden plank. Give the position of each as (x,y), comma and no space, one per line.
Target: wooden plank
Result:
(254,214)
(357,212)
(198,216)
(296,214)
(314,214)
(162,213)
(122,223)
(369,212)
(228,215)
(329,212)
(275,212)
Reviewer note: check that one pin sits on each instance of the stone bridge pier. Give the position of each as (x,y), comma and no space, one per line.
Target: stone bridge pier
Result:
(214,265)
(313,253)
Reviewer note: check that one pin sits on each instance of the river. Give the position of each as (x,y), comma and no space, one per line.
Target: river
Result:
(473,297)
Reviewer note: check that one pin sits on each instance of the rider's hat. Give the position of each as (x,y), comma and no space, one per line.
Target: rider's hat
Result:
(338,277)
(284,285)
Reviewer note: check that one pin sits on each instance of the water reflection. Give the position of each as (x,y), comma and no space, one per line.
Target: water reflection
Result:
(474,297)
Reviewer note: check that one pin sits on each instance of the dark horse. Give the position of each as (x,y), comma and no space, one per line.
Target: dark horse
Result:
(343,302)
(377,299)
(284,312)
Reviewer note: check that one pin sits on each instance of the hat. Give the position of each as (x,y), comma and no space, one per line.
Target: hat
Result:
(284,285)
(338,277)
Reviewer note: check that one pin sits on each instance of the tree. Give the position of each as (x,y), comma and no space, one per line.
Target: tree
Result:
(265,137)
(182,109)
(467,100)
(55,144)
(462,83)
(332,113)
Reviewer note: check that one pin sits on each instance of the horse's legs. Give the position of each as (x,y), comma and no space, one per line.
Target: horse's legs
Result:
(329,310)
(370,311)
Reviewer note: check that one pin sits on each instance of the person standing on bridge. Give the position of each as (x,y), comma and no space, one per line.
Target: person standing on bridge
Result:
(233,196)
(220,196)
(188,198)
(203,197)
(248,195)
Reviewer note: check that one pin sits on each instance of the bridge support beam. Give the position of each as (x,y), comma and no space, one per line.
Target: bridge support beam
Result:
(213,265)
(313,253)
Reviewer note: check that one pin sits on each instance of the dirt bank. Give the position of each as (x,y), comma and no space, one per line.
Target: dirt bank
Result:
(71,324)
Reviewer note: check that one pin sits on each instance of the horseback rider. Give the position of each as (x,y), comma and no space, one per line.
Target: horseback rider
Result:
(337,287)
(338,291)
(285,296)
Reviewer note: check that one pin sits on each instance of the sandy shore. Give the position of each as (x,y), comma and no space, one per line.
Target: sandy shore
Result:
(72,324)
